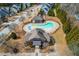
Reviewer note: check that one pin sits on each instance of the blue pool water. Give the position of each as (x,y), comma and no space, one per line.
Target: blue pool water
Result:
(48,26)
(43,26)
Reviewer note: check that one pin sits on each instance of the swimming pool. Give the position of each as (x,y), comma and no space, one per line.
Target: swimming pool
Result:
(48,26)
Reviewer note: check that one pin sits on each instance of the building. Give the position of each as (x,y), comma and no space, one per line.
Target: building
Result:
(38,37)
(37,19)
(46,7)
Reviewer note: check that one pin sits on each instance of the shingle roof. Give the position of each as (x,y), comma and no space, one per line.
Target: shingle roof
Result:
(37,33)
(37,18)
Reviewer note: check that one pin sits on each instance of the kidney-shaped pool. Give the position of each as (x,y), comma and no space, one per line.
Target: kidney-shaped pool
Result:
(48,26)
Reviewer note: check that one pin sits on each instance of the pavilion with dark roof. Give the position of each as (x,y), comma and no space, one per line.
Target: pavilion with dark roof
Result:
(37,19)
(38,37)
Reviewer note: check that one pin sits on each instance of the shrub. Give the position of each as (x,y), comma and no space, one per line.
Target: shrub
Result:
(13,35)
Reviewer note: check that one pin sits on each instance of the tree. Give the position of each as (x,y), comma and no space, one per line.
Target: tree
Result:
(42,12)
(13,35)
(73,40)
(50,12)
(4,4)
(23,6)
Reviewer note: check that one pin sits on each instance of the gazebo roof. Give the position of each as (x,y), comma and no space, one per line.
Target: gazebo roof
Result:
(37,18)
(37,33)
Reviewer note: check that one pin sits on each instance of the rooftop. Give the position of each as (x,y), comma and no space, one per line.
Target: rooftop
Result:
(37,18)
